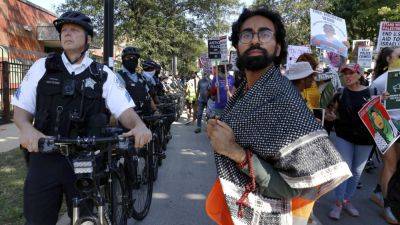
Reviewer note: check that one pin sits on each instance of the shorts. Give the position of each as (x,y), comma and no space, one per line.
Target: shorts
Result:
(190,104)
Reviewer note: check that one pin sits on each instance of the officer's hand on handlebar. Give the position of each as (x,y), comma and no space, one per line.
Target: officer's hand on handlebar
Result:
(141,134)
(29,138)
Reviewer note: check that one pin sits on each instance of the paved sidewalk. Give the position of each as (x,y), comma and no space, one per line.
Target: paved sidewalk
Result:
(9,137)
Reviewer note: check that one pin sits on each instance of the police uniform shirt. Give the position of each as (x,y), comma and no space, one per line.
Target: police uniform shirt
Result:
(116,97)
(133,77)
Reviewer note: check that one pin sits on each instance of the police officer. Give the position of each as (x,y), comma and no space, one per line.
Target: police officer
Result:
(61,94)
(150,71)
(135,83)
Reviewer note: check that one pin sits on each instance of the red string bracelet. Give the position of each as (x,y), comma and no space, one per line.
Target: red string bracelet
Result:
(249,187)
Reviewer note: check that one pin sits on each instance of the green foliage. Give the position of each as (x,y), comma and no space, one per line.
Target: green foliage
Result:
(296,16)
(162,28)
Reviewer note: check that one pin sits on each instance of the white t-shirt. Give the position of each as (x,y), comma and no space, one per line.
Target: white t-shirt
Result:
(380,85)
(116,97)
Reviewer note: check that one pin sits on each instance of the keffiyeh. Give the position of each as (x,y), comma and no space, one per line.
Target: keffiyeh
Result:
(273,122)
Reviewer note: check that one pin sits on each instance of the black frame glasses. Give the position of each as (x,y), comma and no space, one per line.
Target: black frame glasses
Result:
(263,35)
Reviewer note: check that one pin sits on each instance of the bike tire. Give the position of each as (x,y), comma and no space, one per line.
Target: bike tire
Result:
(117,210)
(139,212)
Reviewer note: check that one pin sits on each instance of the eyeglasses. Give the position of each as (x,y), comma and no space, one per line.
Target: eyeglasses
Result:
(264,36)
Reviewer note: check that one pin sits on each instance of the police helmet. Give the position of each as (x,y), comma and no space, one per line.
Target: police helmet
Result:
(77,18)
(150,65)
(130,51)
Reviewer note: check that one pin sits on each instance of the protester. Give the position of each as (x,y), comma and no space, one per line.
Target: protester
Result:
(222,88)
(311,93)
(190,96)
(350,136)
(388,57)
(264,130)
(302,76)
(202,96)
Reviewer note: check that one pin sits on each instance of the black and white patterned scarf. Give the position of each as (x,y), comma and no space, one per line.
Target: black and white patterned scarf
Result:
(273,121)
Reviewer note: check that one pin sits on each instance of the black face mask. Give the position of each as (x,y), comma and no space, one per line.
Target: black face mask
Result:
(254,63)
(130,64)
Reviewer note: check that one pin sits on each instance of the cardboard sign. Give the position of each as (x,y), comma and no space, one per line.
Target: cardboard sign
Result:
(364,58)
(328,32)
(205,63)
(378,122)
(393,87)
(294,52)
(389,35)
(214,49)
(223,44)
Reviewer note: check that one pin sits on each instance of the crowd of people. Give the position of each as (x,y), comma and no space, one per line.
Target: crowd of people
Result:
(282,136)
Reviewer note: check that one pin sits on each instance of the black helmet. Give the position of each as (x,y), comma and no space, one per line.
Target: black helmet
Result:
(130,51)
(74,17)
(150,64)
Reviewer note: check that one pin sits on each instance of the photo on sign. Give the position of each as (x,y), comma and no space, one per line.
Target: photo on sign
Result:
(328,32)
(379,124)
(393,88)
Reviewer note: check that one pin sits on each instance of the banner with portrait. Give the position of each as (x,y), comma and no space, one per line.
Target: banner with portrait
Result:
(379,124)
(328,32)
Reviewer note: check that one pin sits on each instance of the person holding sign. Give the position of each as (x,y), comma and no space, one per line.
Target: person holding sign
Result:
(350,136)
(387,59)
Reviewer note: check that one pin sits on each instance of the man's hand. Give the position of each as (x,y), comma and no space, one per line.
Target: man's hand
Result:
(141,134)
(330,115)
(223,141)
(29,138)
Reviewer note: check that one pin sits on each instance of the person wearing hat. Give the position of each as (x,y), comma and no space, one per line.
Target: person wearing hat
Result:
(302,76)
(350,136)
(83,91)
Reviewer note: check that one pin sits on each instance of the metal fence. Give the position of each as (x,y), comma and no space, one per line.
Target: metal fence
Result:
(11,75)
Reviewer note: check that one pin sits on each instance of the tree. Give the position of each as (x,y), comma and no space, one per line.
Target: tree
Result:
(296,16)
(162,28)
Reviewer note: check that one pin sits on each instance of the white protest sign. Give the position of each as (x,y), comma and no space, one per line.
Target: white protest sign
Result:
(233,60)
(294,51)
(389,35)
(328,32)
(223,44)
(364,57)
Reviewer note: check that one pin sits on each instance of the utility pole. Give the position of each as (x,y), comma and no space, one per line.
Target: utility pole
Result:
(108,44)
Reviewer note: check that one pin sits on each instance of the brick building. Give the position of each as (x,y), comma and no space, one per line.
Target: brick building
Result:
(26,31)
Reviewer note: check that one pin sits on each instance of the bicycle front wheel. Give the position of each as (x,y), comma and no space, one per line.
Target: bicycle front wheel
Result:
(143,192)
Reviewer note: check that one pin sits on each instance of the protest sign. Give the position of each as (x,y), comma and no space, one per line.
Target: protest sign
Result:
(364,58)
(205,63)
(389,35)
(233,60)
(294,52)
(214,48)
(358,44)
(378,122)
(328,32)
(223,45)
(393,87)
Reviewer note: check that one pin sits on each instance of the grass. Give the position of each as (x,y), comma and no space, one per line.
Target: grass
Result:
(12,176)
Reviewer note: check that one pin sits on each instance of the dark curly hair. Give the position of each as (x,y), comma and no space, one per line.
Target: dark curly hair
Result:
(308,57)
(280,32)
(382,64)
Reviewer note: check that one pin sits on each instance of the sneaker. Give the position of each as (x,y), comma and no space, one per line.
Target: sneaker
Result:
(335,212)
(359,185)
(198,130)
(388,216)
(350,209)
(377,198)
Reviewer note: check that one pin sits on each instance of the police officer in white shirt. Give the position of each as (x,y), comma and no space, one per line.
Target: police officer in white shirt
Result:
(61,93)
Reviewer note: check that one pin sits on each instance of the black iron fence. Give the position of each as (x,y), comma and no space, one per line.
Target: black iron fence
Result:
(11,75)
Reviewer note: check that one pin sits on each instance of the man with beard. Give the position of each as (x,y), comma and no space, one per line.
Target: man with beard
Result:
(135,83)
(273,158)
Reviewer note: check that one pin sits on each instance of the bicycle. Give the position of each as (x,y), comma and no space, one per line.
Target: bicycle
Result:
(105,190)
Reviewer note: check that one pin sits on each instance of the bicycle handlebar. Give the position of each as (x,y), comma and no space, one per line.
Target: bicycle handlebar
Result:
(54,144)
